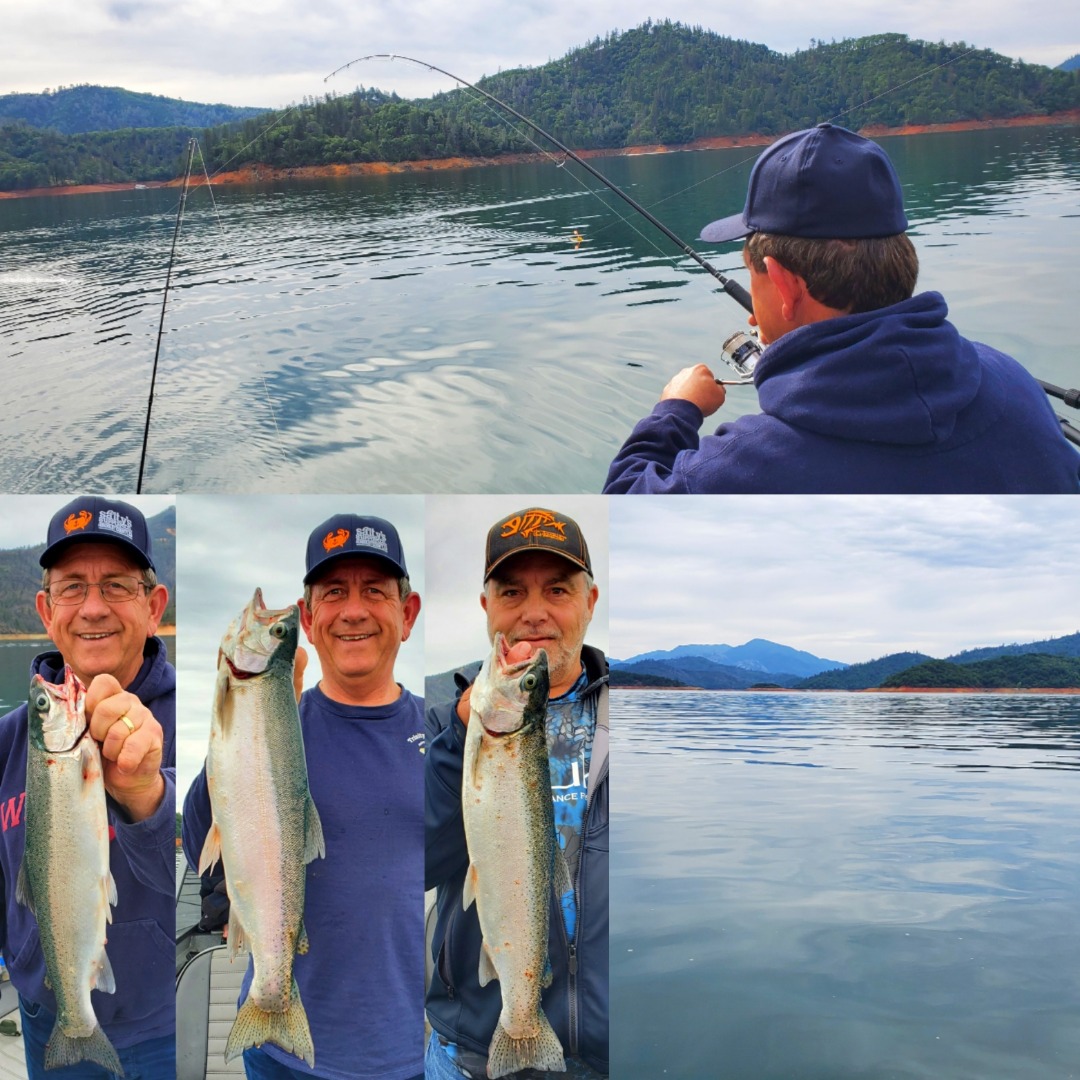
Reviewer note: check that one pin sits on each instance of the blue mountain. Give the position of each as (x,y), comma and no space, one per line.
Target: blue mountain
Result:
(758,655)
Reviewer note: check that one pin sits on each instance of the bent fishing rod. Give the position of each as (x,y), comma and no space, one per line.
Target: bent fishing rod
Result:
(732,288)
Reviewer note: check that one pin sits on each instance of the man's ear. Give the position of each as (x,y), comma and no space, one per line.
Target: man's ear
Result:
(790,287)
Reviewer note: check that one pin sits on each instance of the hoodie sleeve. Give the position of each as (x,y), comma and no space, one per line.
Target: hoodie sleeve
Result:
(150,845)
(647,463)
(197,818)
(445,853)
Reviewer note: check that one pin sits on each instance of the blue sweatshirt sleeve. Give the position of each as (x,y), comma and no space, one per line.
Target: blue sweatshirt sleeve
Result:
(445,853)
(647,464)
(197,819)
(150,845)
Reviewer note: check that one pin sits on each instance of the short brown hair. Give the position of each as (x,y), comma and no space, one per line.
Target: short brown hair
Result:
(849,275)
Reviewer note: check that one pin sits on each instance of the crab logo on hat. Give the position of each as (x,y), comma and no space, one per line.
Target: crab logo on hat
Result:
(335,539)
(77,521)
(534,523)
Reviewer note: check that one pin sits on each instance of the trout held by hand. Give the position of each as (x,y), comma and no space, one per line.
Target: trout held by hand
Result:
(65,878)
(265,827)
(510,833)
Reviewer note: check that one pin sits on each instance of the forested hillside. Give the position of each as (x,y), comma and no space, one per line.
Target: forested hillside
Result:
(864,675)
(660,83)
(74,110)
(1028,670)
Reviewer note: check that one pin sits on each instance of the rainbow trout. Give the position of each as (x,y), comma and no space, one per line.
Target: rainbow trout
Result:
(510,833)
(265,827)
(64,878)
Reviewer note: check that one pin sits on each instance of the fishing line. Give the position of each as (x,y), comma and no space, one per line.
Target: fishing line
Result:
(164,302)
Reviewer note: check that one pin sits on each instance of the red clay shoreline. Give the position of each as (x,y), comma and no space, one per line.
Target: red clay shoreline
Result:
(258,174)
(876,690)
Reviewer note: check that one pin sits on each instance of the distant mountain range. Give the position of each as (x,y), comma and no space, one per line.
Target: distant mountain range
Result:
(765,662)
(75,110)
(20,577)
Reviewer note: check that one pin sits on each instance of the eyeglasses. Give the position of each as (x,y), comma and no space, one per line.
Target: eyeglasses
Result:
(115,590)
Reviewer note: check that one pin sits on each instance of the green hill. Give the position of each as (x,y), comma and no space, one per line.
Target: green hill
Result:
(865,675)
(1028,670)
(660,83)
(619,677)
(1067,645)
(75,110)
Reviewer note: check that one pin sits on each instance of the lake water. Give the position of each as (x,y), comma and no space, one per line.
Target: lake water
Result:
(16,658)
(832,887)
(439,331)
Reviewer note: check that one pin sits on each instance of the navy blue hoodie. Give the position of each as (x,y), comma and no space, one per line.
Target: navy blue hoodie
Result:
(576,1003)
(893,400)
(142,857)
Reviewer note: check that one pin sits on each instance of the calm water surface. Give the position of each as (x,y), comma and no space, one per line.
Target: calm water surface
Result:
(440,332)
(16,658)
(832,887)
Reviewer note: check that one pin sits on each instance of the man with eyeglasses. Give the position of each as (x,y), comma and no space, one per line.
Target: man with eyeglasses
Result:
(361,977)
(101,603)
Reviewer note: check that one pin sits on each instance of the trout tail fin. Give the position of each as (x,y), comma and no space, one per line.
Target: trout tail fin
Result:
(288,1029)
(541,1051)
(62,1049)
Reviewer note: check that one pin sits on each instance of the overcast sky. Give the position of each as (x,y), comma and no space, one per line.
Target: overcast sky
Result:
(229,545)
(846,578)
(274,52)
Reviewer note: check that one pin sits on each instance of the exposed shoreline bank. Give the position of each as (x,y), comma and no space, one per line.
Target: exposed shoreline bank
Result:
(258,174)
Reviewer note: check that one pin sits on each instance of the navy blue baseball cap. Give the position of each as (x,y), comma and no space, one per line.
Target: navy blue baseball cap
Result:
(351,534)
(822,183)
(97,518)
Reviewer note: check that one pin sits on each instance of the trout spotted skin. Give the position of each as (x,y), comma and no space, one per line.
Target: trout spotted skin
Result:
(65,878)
(265,827)
(510,833)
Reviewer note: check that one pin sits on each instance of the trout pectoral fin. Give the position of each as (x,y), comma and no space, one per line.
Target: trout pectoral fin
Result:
(560,876)
(487,966)
(545,979)
(23,893)
(314,844)
(302,943)
(211,852)
(468,894)
(108,883)
(102,977)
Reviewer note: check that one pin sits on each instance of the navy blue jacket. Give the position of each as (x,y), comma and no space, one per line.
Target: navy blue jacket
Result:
(893,400)
(576,1003)
(142,857)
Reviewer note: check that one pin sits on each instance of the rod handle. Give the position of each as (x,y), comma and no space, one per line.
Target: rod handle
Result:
(739,294)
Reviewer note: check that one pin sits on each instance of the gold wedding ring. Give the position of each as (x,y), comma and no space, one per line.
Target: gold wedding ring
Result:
(127,720)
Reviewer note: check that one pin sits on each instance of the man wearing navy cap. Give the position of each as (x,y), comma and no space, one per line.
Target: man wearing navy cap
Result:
(360,979)
(863,386)
(101,603)
(538,589)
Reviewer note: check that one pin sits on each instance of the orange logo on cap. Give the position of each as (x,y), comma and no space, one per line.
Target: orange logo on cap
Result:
(77,521)
(534,523)
(335,539)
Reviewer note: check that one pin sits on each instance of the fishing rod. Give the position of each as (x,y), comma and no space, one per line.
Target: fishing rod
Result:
(732,288)
(1071,398)
(164,302)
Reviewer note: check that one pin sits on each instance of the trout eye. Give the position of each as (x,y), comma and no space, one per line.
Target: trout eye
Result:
(279,630)
(529,682)
(41,701)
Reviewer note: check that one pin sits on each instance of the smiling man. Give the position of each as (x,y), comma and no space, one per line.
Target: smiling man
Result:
(100,602)
(363,741)
(863,386)
(538,589)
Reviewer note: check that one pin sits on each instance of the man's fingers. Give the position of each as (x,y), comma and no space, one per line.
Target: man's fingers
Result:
(299,667)
(100,688)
